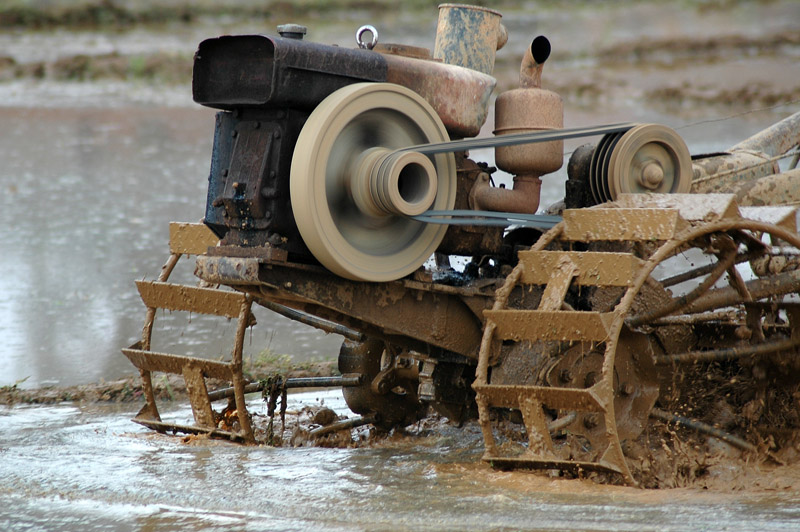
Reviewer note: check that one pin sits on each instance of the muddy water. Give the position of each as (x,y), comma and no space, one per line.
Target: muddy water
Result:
(86,198)
(107,474)
(92,173)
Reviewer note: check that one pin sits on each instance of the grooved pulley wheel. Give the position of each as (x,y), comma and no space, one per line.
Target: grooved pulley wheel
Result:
(353,193)
(647,158)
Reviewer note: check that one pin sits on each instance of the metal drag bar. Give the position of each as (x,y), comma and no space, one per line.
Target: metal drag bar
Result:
(296,382)
(313,321)
(344,425)
(518,138)
(703,428)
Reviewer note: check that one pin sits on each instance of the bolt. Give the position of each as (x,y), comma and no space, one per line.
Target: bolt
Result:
(565,375)
(287,284)
(590,379)
(626,389)
(590,421)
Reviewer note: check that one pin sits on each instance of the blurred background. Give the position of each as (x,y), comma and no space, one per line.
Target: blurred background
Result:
(101,145)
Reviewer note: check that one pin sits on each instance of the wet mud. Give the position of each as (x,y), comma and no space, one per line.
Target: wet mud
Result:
(111,111)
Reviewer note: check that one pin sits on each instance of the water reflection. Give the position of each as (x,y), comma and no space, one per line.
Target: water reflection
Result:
(86,198)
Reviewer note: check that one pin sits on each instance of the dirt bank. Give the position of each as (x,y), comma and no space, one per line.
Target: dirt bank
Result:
(167,387)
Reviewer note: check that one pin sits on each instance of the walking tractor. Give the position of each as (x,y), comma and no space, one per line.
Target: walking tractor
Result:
(662,290)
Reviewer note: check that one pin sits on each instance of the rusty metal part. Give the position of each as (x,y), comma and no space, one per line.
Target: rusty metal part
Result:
(469,240)
(345,424)
(404,50)
(313,321)
(530,72)
(265,71)
(523,198)
(293,382)
(530,108)
(703,428)
(729,353)
(747,162)
(469,36)
(417,315)
(523,111)
(367,239)
(459,96)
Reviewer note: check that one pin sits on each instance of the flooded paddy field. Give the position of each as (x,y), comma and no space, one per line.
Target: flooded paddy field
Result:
(87,466)
(102,147)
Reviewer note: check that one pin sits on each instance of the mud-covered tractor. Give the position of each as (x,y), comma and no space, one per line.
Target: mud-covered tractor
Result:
(342,194)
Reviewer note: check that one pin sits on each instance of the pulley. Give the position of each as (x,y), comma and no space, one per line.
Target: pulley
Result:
(646,158)
(353,193)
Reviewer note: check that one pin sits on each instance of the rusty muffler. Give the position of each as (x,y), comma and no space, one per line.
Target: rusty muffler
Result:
(524,110)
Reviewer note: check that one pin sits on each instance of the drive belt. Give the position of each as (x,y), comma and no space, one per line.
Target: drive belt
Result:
(504,219)
(518,138)
(488,218)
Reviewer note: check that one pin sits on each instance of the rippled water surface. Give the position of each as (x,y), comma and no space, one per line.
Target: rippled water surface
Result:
(71,467)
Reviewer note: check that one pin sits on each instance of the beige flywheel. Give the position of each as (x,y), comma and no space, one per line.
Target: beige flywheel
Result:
(353,194)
